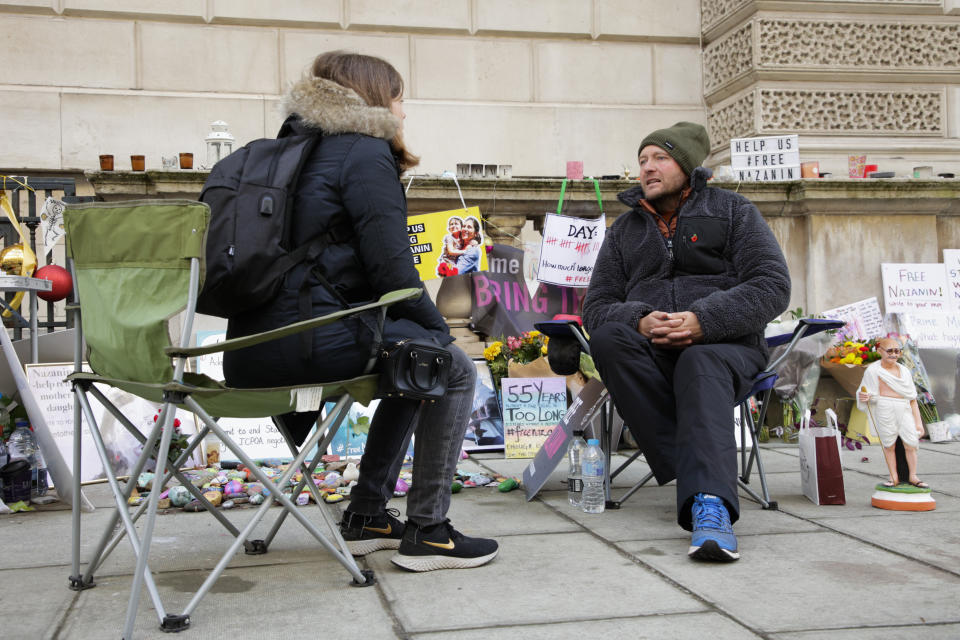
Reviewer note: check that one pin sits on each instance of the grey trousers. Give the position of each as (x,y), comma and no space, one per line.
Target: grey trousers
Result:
(439,428)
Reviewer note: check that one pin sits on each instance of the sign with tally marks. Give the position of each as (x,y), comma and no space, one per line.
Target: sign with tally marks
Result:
(532,408)
(769,159)
(569,249)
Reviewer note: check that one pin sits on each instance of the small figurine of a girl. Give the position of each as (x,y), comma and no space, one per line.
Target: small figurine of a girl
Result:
(889,397)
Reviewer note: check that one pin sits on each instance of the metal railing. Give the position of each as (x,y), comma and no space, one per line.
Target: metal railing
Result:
(34,192)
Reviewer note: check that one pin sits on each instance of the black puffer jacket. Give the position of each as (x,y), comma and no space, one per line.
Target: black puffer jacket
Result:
(725,266)
(351,181)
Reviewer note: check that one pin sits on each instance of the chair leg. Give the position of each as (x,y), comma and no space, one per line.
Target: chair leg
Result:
(328,427)
(616,504)
(747,424)
(364,578)
(142,573)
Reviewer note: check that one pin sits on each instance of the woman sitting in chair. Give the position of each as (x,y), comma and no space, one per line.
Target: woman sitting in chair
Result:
(350,189)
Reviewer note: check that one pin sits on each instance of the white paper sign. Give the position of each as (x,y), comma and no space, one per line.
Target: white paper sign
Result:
(51,223)
(258,437)
(56,399)
(863,319)
(766,159)
(914,287)
(569,249)
(951,263)
(932,330)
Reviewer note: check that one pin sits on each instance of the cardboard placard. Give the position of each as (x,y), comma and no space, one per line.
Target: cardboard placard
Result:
(532,408)
(569,249)
(577,418)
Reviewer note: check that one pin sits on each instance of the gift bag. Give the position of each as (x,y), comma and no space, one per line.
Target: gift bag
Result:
(821,474)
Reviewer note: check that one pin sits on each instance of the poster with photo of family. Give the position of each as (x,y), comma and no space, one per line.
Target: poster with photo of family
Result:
(447,243)
(485,423)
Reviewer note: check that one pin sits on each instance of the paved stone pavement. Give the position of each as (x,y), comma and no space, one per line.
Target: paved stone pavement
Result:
(807,572)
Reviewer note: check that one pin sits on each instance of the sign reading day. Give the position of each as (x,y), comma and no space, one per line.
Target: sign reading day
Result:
(532,408)
(569,249)
(768,159)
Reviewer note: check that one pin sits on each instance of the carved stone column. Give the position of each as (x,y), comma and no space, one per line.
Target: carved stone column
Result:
(880,78)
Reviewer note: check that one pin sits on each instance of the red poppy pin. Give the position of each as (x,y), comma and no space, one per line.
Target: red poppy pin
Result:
(693,238)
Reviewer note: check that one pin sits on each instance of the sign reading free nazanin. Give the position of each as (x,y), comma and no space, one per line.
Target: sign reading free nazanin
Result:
(774,158)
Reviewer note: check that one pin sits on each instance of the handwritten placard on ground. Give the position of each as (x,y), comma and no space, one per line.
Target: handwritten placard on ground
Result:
(951,263)
(532,408)
(863,318)
(258,437)
(914,287)
(53,394)
(569,249)
(932,330)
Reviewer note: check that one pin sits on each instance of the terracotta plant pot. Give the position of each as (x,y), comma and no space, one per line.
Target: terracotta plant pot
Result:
(137,163)
(106,162)
(186,161)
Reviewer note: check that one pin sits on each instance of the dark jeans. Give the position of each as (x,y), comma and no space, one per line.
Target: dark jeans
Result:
(678,404)
(439,428)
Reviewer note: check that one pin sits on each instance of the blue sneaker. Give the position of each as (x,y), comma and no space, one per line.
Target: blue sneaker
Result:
(713,537)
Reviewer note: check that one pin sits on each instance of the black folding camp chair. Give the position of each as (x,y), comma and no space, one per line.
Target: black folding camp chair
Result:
(569,332)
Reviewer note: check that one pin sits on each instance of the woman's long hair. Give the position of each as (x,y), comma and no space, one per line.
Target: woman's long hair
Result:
(478,235)
(375,80)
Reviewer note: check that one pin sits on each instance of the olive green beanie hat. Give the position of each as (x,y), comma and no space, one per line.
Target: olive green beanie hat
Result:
(686,142)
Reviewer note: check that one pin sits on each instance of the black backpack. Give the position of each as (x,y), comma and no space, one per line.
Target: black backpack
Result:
(249,248)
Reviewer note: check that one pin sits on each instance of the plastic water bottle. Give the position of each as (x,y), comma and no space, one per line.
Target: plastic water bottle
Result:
(594,463)
(22,444)
(575,475)
(4,459)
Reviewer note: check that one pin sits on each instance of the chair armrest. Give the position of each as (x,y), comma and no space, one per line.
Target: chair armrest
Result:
(385,301)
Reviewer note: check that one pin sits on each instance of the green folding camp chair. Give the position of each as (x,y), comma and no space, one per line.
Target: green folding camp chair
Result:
(137,267)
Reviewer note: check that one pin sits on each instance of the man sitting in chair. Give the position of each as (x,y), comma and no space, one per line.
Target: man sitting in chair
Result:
(682,289)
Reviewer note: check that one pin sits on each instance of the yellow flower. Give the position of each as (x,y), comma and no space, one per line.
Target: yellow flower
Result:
(847,344)
(492,351)
(543,349)
(858,361)
(534,333)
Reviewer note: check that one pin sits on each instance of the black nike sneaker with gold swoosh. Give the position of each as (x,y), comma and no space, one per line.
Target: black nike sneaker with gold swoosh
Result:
(440,546)
(366,534)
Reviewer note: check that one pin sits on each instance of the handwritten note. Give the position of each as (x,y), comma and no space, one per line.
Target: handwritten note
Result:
(951,262)
(532,408)
(914,287)
(863,318)
(569,249)
(258,437)
(932,330)
(55,397)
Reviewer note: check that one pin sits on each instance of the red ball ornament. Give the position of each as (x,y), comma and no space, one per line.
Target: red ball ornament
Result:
(60,277)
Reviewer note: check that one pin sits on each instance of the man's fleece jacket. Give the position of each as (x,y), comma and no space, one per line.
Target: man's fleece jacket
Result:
(723,264)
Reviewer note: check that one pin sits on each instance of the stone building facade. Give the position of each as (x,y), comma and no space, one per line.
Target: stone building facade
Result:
(531,84)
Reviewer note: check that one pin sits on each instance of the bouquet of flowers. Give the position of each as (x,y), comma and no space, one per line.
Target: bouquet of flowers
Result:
(522,349)
(846,361)
(854,352)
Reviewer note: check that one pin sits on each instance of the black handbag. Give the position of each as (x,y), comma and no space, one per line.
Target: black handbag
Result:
(414,368)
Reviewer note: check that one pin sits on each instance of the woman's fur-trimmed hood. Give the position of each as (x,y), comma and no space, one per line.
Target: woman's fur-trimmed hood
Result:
(332,108)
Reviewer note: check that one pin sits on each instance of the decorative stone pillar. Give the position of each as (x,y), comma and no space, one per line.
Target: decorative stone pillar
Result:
(504,229)
(874,78)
